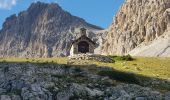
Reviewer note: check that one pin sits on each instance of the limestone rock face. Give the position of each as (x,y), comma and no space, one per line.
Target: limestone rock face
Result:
(138,21)
(43,30)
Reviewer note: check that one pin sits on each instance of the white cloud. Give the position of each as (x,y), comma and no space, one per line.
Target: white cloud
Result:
(7,4)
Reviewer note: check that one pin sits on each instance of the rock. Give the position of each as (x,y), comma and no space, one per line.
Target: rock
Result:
(129,91)
(15,97)
(105,78)
(36,92)
(79,91)
(2,91)
(167,96)
(94,57)
(140,98)
(96,92)
(5,97)
(124,96)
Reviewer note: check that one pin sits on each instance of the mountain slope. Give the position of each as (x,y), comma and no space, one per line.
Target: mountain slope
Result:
(160,47)
(138,22)
(43,30)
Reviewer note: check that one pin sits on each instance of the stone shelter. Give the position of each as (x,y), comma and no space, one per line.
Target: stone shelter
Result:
(82,45)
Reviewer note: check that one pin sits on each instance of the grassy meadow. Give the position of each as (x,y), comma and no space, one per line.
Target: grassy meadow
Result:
(151,67)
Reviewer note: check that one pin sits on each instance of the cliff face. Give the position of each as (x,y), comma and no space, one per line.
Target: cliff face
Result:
(43,30)
(137,22)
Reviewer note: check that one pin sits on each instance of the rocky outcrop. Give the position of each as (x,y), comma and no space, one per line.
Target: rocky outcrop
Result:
(167,96)
(43,30)
(45,81)
(91,57)
(137,22)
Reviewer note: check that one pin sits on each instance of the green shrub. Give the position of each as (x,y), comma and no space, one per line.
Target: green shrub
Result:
(66,66)
(164,87)
(4,61)
(17,92)
(120,76)
(122,58)
(44,63)
(77,70)
(6,69)
(74,97)
(56,75)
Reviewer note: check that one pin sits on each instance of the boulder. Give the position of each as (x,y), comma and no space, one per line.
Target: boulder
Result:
(167,96)
(5,97)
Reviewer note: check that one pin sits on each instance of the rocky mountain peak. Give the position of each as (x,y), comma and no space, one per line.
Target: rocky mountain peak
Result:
(38,6)
(42,30)
(138,21)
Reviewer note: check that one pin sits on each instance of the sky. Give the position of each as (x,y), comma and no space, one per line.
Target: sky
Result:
(97,12)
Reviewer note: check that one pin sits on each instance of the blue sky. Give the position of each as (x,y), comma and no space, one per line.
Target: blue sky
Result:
(97,12)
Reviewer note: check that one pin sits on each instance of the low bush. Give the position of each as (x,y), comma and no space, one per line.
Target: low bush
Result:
(77,70)
(4,61)
(120,76)
(122,58)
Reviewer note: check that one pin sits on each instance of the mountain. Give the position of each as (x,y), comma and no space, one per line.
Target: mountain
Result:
(43,30)
(139,26)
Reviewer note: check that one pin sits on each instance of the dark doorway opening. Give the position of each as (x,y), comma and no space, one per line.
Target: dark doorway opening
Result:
(83,47)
